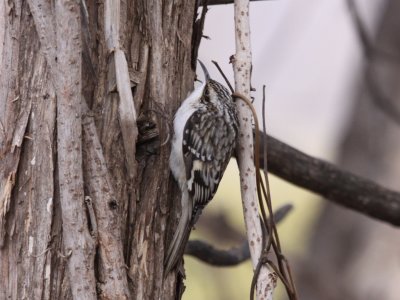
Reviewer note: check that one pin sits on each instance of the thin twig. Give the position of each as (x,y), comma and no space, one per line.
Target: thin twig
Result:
(283,267)
(223,75)
(264,193)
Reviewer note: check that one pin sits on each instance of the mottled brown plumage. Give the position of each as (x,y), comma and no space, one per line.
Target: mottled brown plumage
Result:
(205,131)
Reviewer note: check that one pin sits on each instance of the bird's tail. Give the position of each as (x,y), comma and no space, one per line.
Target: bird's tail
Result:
(181,236)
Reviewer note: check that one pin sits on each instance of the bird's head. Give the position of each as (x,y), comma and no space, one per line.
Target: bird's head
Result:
(213,90)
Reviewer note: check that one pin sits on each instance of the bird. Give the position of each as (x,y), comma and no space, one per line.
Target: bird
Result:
(205,133)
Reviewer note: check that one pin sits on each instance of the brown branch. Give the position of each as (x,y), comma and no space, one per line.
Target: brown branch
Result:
(231,257)
(222,258)
(329,181)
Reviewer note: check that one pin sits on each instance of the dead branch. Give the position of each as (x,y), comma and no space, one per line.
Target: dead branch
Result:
(221,258)
(231,257)
(245,150)
(329,181)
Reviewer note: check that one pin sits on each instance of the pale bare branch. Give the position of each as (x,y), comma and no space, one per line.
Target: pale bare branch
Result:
(245,149)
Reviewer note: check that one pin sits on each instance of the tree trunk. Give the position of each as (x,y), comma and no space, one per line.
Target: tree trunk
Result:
(34,261)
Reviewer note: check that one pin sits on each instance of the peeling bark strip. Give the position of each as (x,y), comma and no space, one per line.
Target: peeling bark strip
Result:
(9,109)
(16,124)
(26,261)
(6,186)
(126,109)
(242,72)
(78,243)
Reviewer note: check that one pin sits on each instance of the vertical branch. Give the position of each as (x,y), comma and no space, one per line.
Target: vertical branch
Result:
(77,240)
(242,73)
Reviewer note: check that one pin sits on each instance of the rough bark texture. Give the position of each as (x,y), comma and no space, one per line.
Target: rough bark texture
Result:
(156,39)
(78,244)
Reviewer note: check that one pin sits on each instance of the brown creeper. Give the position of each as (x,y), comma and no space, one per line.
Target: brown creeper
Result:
(205,131)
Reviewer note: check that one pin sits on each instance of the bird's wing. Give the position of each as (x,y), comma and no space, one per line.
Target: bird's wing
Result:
(204,149)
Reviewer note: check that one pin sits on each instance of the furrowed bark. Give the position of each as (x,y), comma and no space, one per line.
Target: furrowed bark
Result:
(29,263)
(45,27)
(112,271)
(156,42)
(161,76)
(13,114)
(78,244)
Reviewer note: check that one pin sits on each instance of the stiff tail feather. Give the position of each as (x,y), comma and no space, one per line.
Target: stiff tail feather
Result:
(181,236)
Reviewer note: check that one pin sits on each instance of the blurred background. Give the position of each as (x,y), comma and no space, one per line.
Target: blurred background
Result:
(318,74)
